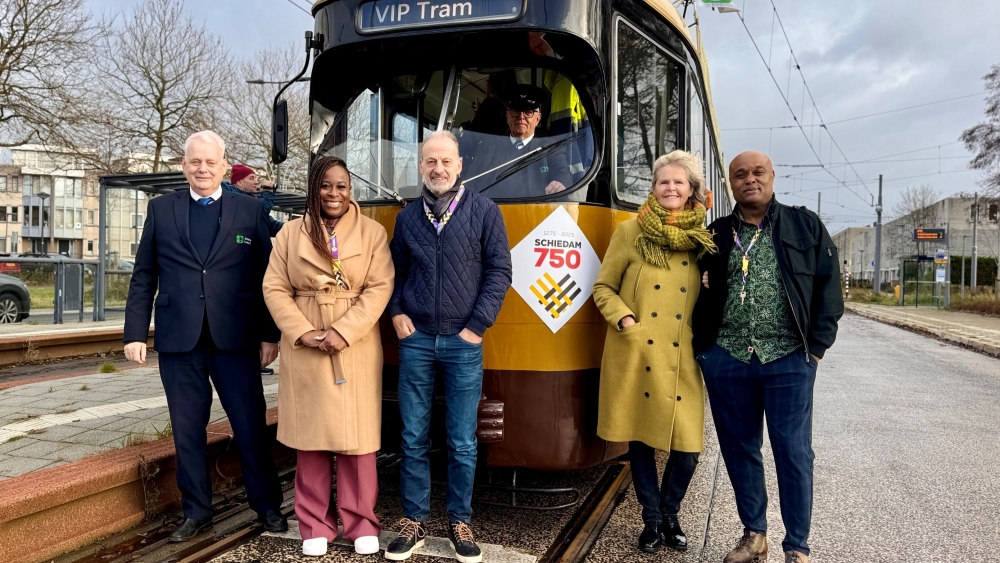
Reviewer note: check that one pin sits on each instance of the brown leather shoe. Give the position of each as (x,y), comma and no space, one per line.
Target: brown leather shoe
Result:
(796,557)
(752,548)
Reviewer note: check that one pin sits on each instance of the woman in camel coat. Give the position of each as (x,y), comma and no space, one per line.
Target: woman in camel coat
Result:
(329,279)
(651,392)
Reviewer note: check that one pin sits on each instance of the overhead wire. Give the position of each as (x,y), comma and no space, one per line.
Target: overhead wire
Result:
(307,12)
(788,103)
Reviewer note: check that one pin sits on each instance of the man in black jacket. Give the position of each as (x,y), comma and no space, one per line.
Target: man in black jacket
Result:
(206,252)
(767,314)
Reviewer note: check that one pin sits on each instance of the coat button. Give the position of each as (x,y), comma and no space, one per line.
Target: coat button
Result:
(201,297)
(684,263)
(676,344)
(649,341)
(683,290)
(204,271)
(646,394)
(678,316)
(654,314)
(647,368)
(657,286)
(678,397)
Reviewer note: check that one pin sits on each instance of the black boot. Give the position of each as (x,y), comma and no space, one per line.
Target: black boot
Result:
(673,535)
(649,539)
(273,521)
(189,529)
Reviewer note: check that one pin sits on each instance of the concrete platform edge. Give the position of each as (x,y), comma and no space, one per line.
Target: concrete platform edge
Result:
(29,348)
(83,501)
(923,328)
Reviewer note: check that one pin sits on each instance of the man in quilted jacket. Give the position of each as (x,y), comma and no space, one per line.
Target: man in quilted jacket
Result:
(453,270)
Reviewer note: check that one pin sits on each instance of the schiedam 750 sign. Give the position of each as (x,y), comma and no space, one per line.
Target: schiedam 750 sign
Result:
(554,269)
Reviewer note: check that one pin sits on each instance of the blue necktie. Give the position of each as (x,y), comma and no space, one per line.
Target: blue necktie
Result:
(519,145)
(205,201)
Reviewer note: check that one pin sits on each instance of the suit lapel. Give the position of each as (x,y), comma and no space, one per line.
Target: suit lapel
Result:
(228,203)
(183,227)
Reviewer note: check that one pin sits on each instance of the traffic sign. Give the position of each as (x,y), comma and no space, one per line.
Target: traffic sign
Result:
(941,256)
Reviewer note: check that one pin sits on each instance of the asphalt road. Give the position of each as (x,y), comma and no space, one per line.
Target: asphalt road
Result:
(907,441)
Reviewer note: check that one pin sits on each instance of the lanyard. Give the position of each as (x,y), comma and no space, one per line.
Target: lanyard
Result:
(335,261)
(447,216)
(746,256)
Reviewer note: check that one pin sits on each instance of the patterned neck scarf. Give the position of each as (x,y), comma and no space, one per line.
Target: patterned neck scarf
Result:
(439,204)
(666,231)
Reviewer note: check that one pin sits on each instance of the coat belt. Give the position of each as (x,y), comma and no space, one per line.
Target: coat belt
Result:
(326,302)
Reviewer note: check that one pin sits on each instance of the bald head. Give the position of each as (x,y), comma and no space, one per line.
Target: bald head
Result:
(440,164)
(751,175)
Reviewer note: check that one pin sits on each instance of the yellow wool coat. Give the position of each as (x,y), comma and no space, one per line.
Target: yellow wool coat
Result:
(315,413)
(651,387)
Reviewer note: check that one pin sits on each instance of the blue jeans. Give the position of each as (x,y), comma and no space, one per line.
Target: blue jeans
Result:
(742,396)
(421,355)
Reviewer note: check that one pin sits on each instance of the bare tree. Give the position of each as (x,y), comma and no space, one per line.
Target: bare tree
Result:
(244,116)
(984,138)
(916,211)
(159,70)
(43,44)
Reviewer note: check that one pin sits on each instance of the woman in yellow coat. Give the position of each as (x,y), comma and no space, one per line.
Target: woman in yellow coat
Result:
(652,395)
(328,281)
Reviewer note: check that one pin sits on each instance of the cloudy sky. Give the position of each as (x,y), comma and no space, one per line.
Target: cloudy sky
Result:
(858,57)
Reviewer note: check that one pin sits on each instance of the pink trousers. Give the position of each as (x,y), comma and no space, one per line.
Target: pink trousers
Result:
(357,491)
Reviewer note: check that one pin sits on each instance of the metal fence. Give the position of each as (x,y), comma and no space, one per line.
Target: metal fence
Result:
(69,284)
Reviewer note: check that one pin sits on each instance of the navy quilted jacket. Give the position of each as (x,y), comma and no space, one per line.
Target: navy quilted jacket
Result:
(454,281)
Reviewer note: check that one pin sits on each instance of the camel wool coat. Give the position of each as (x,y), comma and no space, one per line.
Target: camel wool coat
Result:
(651,387)
(314,412)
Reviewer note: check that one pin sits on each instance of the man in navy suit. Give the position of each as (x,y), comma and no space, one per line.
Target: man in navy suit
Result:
(207,251)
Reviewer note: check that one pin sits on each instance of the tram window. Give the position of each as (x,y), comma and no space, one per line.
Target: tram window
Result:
(386,123)
(697,122)
(648,96)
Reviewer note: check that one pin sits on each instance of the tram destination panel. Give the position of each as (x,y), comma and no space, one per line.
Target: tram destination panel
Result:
(385,15)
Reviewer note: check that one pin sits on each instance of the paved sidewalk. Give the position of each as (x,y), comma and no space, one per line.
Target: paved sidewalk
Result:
(49,423)
(975,331)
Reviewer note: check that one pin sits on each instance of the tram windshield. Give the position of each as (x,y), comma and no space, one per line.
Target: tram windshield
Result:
(523,132)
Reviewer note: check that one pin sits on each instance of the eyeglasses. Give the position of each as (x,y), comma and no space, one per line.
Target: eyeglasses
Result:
(524,112)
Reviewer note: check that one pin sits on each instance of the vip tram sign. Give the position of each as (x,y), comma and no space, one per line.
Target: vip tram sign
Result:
(555,268)
(385,15)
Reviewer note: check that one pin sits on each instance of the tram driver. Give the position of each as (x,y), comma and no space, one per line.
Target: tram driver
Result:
(506,166)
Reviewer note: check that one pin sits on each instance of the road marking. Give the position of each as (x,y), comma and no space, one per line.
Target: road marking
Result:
(23,427)
(433,547)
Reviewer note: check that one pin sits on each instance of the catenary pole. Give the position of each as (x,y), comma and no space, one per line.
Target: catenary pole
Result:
(975,251)
(877,279)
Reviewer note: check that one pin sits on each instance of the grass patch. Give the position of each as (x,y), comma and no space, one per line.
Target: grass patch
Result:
(13,439)
(982,303)
(108,367)
(167,431)
(134,439)
(84,388)
(866,295)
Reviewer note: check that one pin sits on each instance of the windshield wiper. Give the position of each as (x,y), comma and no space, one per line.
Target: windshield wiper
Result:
(379,189)
(536,155)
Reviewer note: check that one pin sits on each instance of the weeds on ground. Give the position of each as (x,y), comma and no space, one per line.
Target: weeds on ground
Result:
(167,431)
(134,439)
(34,431)
(982,303)
(108,367)
(13,439)
(84,387)
(51,389)
(150,492)
(866,295)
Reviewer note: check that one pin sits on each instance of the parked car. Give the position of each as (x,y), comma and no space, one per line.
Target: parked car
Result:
(8,266)
(15,303)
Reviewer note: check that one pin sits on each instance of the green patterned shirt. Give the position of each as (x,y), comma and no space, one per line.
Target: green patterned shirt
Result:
(763,323)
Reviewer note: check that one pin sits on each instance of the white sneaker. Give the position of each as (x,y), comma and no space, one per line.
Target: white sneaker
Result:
(315,547)
(366,545)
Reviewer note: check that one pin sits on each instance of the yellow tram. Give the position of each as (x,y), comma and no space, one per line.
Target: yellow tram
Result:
(622,82)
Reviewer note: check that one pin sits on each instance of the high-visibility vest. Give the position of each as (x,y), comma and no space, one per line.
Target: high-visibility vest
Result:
(567,114)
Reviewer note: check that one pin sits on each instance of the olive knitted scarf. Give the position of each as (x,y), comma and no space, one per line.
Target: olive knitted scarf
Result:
(666,231)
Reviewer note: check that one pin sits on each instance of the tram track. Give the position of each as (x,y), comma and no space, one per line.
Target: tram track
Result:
(235,525)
